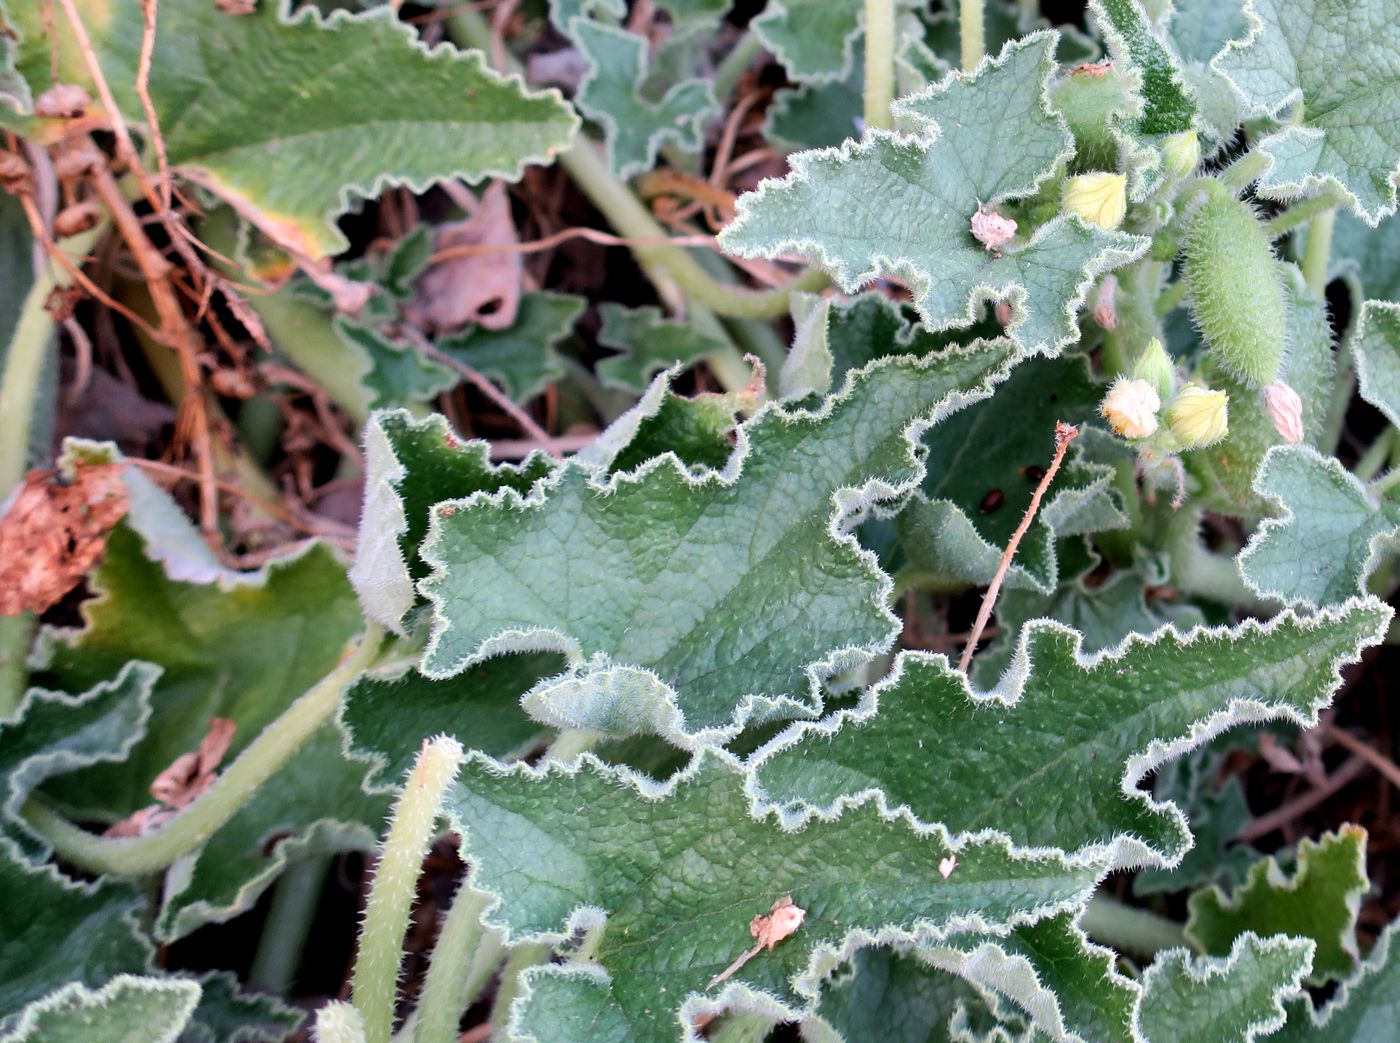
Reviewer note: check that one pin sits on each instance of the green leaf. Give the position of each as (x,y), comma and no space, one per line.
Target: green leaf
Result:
(522,357)
(816,115)
(1170,104)
(1368,258)
(1319,901)
(1094,725)
(53,930)
(1376,348)
(289,116)
(1333,57)
(983,467)
(127,1009)
(242,648)
(1238,998)
(863,876)
(1228,469)
(411,465)
(650,343)
(814,40)
(1199,30)
(612,94)
(399,374)
(53,733)
(313,805)
(698,430)
(1365,1009)
(1330,534)
(928,193)
(701,579)
(226,1015)
(807,369)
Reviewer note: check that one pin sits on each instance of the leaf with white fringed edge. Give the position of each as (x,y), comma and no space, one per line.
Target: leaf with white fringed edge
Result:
(814,40)
(667,878)
(154,1010)
(1073,734)
(1365,1009)
(1333,61)
(742,590)
(903,205)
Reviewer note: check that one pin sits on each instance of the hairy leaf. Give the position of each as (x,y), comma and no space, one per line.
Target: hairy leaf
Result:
(1376,349)
(928,188)
(1365,1009)
(673,875)
(399,374)
(1330,534)
(226,1015)
(1334,59)
(649,342)
(127,1008)
(1199,30)
(1095,725)
(814,40)
(522,357)
(1368,258)
(1319,901)
(1135,45)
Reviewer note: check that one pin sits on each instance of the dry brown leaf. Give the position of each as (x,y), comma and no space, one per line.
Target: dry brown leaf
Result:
(54,532)
(482,288)
(768,929)
(181,784)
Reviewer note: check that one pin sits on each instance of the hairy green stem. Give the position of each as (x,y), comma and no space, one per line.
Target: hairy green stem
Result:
(284,934)
(1196,570)
(1376,455)
(275,745)
(456,973)
(522,957)
(1129,928)
(879,63)
(16,635)
(374,984)
(1386,482)
(1173,295)
(736,63)
(1244,171)
(972,33)
(1317,253)
(1281,224)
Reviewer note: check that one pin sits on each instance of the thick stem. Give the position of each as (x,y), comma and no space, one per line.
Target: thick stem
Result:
(448,991)
(973,33)
(879,63)
(1129,928)
(375,981)
(1196,570)
(1317,253)
(274,746)
(294,902)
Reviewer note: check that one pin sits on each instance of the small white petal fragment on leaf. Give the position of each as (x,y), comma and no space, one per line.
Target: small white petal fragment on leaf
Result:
(768,929)
(1106,303)
(991,229)
(1130,407)
(1198,417)
(1285,409)
(1100,198)
(947,865)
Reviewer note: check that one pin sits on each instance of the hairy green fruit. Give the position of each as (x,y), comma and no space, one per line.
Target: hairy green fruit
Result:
(1237,293)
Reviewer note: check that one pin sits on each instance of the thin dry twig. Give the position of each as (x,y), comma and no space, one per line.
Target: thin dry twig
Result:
(1370,754)
(143,92)
(1285,813)
(564,235)
(1064,435)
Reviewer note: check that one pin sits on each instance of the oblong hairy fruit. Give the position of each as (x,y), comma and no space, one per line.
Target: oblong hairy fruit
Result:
(1237,292)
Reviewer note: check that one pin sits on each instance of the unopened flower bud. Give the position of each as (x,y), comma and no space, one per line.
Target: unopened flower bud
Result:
(1198,417)
(1155,366)
(1130,407)
(62,101)
(1100,198)
(1180,153)
(1106,303)
(991,229)
(1285,409)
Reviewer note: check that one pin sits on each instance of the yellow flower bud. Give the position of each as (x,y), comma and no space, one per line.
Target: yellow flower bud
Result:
(1180,153)
(1198,417)
(1099,198)
(1130,407)
(1155,366)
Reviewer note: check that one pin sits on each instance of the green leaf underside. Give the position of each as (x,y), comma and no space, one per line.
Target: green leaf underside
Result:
(1199,30)
(1368,258)
(411,465)
(243,650)
(927,188)
(1094,726)
(1365,1009)
(53,931)
(289,115)
(1336,57)
(1319,901)
(1240,998)
(1376,349)
(1170,106)
(680,872)
(649,342)
(522,357)
(704,580)
(984,465)
(225,1015)
(814,40)
(635,127)
(1217,815)
(55,733)
(1330,536)
(125,1010)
